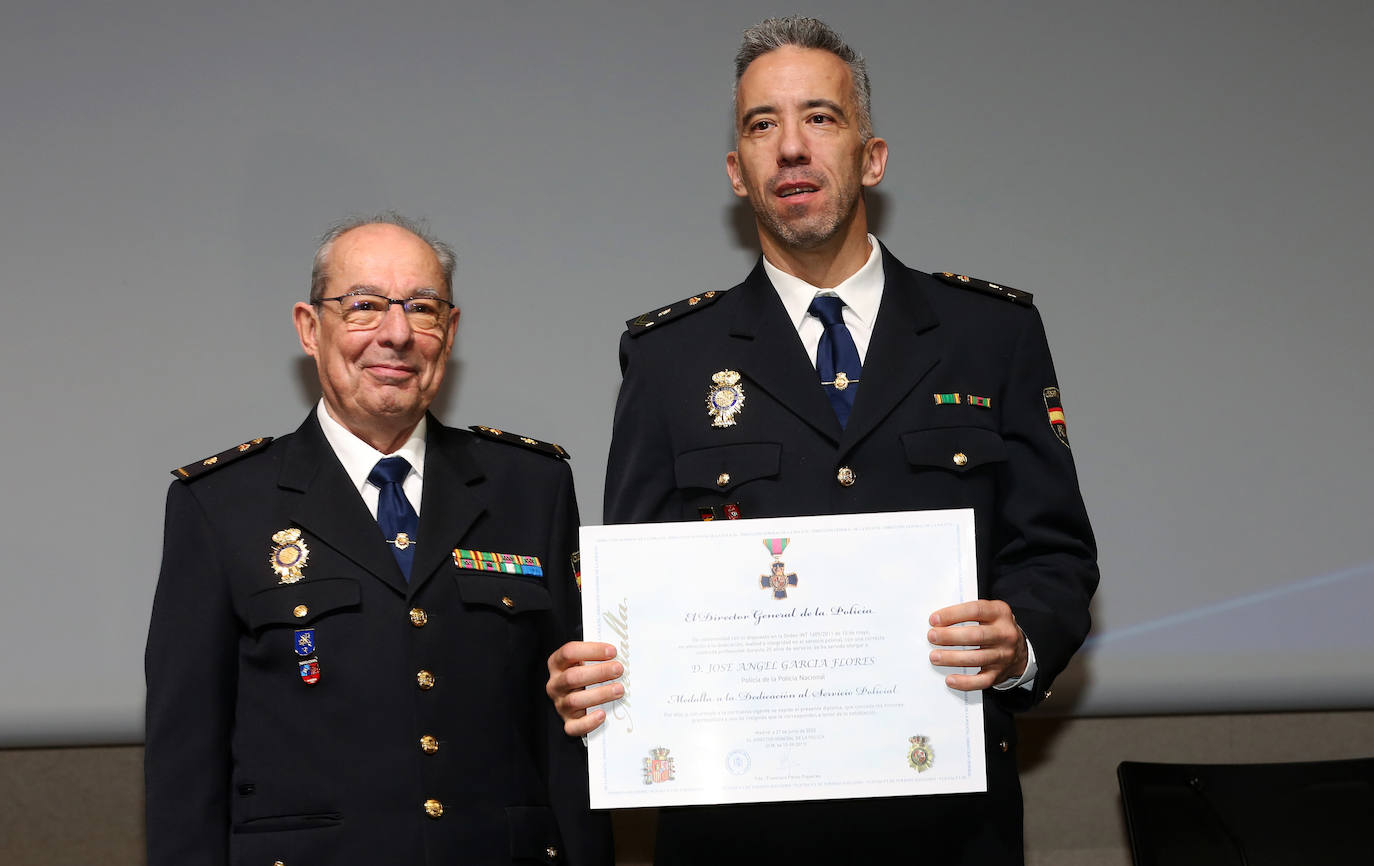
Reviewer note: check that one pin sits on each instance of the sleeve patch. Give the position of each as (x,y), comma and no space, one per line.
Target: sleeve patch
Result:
(1054,406)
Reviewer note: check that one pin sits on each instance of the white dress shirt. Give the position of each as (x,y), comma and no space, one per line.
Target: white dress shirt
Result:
(861,292)
(358,459)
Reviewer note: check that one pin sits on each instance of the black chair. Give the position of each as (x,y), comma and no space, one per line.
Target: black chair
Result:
(1288,814)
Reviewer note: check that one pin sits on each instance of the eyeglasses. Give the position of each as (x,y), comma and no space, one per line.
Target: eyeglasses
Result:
(363,311)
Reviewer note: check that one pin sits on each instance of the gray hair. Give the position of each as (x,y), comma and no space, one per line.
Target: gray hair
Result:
(801,32)
(442,251)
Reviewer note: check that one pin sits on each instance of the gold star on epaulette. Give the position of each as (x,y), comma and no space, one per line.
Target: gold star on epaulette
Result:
(663,315)
(210,464)
(550,448)
(1016,296)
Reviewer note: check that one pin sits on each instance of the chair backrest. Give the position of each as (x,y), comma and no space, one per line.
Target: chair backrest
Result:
(1249,814)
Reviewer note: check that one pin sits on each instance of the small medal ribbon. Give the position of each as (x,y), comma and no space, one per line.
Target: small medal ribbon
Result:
(509,563)
(776,545)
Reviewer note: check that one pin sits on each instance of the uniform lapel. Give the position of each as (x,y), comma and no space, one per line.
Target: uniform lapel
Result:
(904,348)
(773,356)
(450,503)
(330,507)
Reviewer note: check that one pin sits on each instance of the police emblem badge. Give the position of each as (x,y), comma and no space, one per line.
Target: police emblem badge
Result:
(777,579)
(920,755)
(305,641)
(1053,405)
(725,398)
(310,671)
(289,555)
(658,767)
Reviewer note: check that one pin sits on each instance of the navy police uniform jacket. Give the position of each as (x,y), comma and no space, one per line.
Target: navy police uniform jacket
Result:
(907,446)
(427,737)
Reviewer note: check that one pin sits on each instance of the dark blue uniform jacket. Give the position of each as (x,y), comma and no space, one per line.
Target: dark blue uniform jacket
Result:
(903,449)
(430,696)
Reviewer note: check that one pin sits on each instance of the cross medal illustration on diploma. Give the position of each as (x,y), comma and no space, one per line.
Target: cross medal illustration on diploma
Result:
(777,579)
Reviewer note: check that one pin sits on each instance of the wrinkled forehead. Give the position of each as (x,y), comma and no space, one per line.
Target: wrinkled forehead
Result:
(790,76)
(384,257)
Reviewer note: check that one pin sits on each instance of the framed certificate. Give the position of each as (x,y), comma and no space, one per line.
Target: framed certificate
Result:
(780,659)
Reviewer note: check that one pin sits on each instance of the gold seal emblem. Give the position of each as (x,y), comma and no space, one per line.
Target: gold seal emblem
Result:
(725,399)
(921,755)
(289,556)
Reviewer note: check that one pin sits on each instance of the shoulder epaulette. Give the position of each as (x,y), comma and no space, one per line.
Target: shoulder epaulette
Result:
(1016,296)
(551,448)
(223,458)
(640,324)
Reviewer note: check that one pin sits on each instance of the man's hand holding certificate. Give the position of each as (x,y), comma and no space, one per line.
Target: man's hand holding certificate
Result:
(783,659)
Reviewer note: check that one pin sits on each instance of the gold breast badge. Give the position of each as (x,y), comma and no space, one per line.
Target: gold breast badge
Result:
(725,399)
(289,555)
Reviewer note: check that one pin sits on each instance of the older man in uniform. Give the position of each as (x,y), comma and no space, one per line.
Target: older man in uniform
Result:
(351,622)
(837,380)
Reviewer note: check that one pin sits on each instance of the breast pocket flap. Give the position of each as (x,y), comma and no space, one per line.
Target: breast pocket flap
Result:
(725,467)
(958,449)
(510,595)
(302,603)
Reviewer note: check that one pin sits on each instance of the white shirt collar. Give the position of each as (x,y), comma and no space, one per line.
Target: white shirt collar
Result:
(862,292)
(358,457)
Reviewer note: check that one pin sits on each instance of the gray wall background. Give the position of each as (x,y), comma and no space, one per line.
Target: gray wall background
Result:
(1185,187)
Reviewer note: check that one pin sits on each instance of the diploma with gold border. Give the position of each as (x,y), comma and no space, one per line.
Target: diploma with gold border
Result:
(780,659)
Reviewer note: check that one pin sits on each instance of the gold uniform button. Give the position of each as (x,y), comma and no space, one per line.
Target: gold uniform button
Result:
(278,863)
(722,479)
(299,611)
(418,617)
(429,745)
(960,458)
(508,602)
(433,808)
(551,853)
(425,680)
(846,476)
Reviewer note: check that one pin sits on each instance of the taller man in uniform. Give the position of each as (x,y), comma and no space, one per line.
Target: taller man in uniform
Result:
(351,623)
(866,386)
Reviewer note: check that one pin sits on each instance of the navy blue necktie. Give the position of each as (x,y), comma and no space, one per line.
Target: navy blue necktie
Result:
(395,515)
(837,358)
